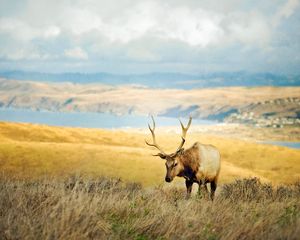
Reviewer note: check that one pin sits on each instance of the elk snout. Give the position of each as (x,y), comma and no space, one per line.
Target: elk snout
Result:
(168,179)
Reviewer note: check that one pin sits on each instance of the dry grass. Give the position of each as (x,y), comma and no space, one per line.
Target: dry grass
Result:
(32,151)
(102,208)
(41,199)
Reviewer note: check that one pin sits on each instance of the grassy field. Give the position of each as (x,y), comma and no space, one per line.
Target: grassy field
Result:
(33,151)
(74,183)
(109,209)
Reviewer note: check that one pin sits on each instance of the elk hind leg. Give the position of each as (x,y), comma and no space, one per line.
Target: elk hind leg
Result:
(213,187)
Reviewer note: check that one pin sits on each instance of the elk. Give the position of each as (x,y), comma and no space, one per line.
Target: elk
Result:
(198,164)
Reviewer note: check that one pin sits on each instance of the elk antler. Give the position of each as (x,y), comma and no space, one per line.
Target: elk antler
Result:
(184,131)
(154,144)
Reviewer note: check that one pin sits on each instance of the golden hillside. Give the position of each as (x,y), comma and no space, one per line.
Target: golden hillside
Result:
(32,151)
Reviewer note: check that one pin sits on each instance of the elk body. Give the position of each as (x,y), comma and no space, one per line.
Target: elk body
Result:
(197,164)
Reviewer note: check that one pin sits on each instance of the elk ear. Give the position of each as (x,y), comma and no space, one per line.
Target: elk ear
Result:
(162,156)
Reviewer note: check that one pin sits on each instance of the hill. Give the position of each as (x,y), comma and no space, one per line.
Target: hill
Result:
(33,151)
(206,103)
(175,80)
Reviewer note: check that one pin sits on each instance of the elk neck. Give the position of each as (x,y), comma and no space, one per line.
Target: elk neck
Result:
(189,161)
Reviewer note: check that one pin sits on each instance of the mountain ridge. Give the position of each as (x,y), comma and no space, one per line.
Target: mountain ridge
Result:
(175,80)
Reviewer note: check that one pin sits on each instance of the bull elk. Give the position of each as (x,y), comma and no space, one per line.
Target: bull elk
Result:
(197,164)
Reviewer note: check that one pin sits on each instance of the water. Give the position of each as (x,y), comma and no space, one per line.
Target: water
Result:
(88,120)
(284,144)
(101,120)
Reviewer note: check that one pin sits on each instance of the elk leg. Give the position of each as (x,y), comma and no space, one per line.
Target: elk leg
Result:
(189,185)
(213,187)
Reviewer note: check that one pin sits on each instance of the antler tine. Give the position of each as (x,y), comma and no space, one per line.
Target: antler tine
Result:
(153,122)
(152,129)
(154,144)
(184,131)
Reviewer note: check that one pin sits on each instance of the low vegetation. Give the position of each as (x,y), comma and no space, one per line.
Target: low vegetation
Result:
(104,208)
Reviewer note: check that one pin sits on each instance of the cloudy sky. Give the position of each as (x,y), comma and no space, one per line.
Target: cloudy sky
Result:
(137,36)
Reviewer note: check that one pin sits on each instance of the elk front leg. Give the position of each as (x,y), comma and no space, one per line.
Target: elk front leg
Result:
(189,185)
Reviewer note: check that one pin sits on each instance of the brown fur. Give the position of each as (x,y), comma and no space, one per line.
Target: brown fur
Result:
(190,158)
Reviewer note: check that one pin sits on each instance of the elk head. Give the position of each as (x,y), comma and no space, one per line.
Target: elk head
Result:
(173,165)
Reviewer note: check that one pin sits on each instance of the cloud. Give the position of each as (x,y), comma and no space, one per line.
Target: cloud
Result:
(80,21)
(52,31)
(194,27)
(249,29)
(22,31)
(141,54)
(288,8)
(76,53)
(190,32)
(285,11)
(17,29)
(197,27)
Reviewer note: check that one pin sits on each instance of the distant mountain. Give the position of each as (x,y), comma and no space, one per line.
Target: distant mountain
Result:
(163,80)
(206,103)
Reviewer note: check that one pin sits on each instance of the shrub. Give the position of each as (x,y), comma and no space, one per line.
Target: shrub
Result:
(252,189)
(105,208)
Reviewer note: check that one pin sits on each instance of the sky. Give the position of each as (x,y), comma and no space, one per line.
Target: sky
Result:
(140,36)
